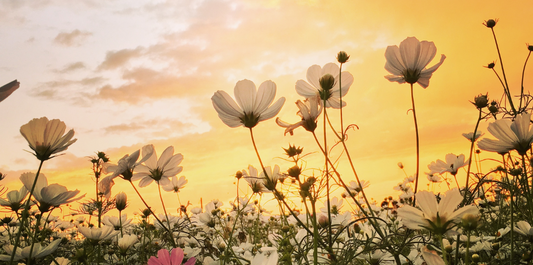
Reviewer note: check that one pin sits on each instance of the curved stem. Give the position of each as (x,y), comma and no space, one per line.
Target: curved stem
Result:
(417,143)
(153,214)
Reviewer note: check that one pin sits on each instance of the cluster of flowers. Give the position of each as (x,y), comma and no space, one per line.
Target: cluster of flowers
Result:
(485,221)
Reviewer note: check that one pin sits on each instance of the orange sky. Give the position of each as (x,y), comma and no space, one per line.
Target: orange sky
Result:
(124,75)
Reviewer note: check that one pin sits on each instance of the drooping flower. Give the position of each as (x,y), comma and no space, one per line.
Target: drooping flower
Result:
(408,62)
(8,88)
(309,110)
(175,184)
(174,258)
(252,105)
(322,82)
(159,170)
(452,164)
(516,135)
(24,253)
(46,137)
(436,217)
(48,196)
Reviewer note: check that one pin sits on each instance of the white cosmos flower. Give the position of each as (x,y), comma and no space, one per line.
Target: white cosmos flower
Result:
(437,217)
(95,233)
(470,136)
(48,196)
(46,137)
(38,251)
(252,105)
(14,199)
(308,110)
(175,184)
(127,241)
(516,135)
(114,222)
(408,62)
(452,164)
(330,93)
(159,170)
(524,228)
(256,182)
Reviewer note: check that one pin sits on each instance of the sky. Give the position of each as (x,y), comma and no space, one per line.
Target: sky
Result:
(124,74)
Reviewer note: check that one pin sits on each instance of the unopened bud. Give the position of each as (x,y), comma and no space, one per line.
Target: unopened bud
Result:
(294,171)
(481,101)
(342,57)
(238,175)
(490,23)
(475,258)
(470,222)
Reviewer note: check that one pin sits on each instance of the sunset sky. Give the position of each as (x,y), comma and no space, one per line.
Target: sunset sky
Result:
(124,74)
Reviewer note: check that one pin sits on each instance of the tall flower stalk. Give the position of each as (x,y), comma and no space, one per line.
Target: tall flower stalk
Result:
(407,64)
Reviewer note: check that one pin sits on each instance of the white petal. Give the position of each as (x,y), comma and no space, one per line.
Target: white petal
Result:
(427,53)
(245,95)
(314,73)
(410,52)
(272,110)
(304,89)
(265,96)
(394,63)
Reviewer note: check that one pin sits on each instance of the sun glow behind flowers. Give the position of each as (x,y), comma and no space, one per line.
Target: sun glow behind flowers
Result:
(155,80)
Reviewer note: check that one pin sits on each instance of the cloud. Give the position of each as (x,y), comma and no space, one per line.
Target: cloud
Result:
(73,38)
(72,67)
(116,59)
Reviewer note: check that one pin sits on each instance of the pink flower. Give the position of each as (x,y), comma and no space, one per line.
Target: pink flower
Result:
(174,258)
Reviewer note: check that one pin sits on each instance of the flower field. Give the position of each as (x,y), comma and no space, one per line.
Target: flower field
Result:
(485,220)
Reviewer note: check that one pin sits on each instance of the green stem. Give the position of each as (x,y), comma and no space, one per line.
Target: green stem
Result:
(153,214)
(506,88)
(522,82)
(163,204)
(417,143)
(473,140)
(25,214)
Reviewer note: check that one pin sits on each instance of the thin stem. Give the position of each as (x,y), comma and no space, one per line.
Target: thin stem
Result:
(473,140)
(522,82)
(152,212)
(417,143)
(163,204)
(25,214)
(330,229)
(508,92)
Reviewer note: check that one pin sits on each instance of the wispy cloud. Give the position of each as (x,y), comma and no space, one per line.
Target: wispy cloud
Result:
(73,38)
(116,59)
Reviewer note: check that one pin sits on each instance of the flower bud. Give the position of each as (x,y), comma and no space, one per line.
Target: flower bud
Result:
(470,222)
(342,57)
(327,82)
(323,221)
(448,249)
(475,258)
(121,201)
(293,151)
(490,65)
(481,101)
(294,171)
(238,175)
(490,23)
